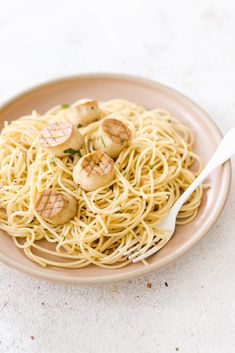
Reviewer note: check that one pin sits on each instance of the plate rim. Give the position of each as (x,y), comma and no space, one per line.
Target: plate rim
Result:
(93,280)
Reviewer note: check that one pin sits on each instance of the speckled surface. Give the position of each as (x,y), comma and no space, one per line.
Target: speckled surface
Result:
(189,45)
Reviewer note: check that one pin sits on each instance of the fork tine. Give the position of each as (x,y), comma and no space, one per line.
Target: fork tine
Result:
(150,252)
(131,257)
(133,244)
(130,250)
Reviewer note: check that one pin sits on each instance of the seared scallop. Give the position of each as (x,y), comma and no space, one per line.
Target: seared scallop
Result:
(112,136)
(84,112)
(60,138)
(56,207)
(94,170)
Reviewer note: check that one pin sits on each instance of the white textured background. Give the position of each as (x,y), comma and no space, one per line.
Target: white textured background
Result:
(189,45)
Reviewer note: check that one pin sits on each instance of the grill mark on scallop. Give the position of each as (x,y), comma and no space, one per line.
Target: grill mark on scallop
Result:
(97,164)
(55,134)
(90,103)
(116,130)
(49,203)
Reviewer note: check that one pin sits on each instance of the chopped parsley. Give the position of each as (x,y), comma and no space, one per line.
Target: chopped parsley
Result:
(65,106)
(72,151)
(151,166)
(101,137)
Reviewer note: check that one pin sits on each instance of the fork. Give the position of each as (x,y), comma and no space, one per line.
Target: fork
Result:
(224,151)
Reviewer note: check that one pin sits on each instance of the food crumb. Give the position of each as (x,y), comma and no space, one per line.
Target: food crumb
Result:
(177,349)
(149,285)
(42,303)
(32,337)
(166,284)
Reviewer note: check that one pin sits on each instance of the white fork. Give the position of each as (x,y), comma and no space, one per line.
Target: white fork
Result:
(224,151)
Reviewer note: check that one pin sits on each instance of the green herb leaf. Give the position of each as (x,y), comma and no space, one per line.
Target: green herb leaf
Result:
(72,151)
(65,106)
(151,166)
(101,137)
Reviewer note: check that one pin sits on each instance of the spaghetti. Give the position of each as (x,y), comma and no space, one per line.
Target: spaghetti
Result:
(151,172)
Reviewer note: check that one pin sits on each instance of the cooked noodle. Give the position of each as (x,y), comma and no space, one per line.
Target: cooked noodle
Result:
(151,173)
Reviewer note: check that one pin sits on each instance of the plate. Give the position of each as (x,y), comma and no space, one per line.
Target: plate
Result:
(152,95)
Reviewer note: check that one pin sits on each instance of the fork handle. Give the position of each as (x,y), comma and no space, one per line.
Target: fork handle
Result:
(224,151)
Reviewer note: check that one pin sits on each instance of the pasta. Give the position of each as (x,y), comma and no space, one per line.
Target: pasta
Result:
(151,172)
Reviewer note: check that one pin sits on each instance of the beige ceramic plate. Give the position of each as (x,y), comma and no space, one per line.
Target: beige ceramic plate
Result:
(151,95)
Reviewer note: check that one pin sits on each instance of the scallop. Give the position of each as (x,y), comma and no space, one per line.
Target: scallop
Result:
(84,112)
(94,170)
(60,138)
(112,136)
(56,207)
